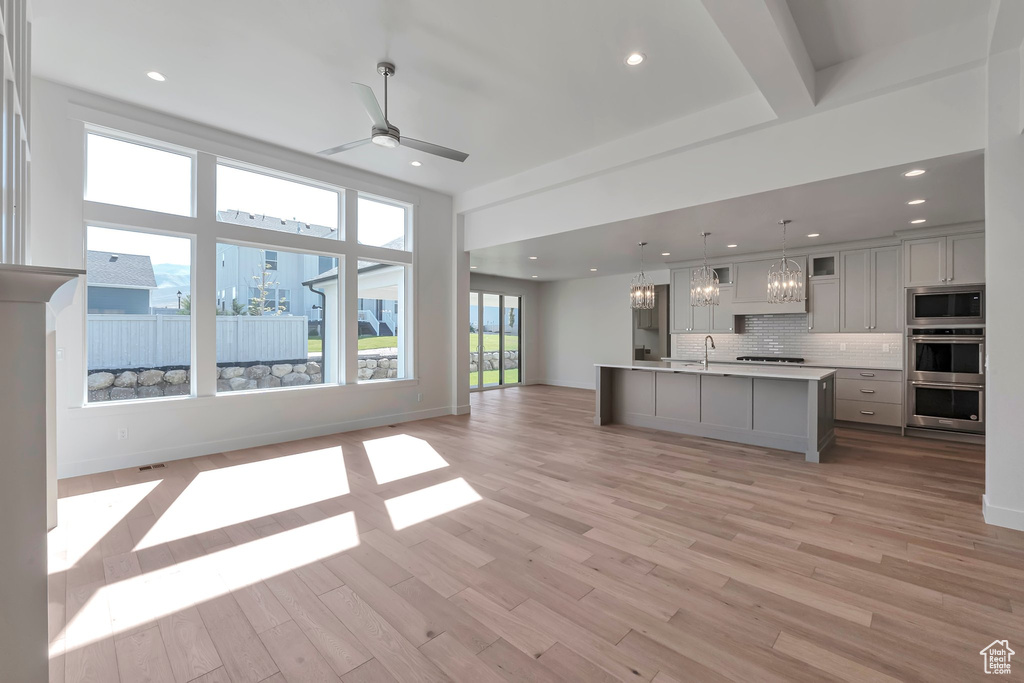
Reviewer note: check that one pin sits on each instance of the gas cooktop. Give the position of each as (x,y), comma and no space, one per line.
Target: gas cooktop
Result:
(771,359)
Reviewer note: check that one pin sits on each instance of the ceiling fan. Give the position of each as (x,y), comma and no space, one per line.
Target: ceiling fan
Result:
(383,133)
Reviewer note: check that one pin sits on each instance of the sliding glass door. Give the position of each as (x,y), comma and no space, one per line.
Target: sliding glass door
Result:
(494,333)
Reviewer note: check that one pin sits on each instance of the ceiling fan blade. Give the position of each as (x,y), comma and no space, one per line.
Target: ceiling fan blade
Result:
(369,102)
(344,148)
(436,150)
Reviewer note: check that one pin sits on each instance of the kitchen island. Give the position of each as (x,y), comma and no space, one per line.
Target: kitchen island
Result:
(789,408)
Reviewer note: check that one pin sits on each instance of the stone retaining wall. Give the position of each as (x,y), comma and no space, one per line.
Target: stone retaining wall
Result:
(493,360)
(120,385)
(378,366)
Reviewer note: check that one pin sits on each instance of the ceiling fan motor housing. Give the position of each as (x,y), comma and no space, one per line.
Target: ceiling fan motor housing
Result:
(388,137)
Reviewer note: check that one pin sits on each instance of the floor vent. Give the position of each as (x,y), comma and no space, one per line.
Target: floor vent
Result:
(152,467)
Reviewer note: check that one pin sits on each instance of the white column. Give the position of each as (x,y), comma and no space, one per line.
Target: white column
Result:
(24,293)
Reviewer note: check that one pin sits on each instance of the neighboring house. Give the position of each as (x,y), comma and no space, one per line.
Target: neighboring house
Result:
(119,283)
(379,300)
(290,274)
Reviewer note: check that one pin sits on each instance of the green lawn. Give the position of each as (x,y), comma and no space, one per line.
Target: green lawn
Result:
(491,377)
(316,345)
(491,342)
(378,343)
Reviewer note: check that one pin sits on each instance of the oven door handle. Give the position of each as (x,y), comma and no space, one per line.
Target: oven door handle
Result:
(947,385)
(948,340)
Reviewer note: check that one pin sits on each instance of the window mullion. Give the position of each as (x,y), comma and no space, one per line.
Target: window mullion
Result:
(204,283)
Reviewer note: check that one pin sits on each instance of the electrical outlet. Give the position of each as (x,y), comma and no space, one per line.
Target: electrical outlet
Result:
(60,353)
(842,346)
(885,348)
(122,433)
(419,397)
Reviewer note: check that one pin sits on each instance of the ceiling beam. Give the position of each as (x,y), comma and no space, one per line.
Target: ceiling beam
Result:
(764,36)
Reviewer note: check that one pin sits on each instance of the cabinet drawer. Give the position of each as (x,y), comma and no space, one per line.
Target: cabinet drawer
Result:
(869,390)
(877,375)
(870,412)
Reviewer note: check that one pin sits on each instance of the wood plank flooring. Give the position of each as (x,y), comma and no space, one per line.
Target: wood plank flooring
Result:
(534,546)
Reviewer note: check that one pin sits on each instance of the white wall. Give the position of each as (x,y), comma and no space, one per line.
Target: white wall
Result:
(530,343)
(1004,247)
(167,429)
(584,322)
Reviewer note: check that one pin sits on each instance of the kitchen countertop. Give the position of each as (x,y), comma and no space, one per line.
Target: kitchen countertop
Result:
(764,370)
(805,364)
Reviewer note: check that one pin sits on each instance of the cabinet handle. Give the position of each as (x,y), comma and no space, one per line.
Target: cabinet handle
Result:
(867,374)
(867,412)
(867,391)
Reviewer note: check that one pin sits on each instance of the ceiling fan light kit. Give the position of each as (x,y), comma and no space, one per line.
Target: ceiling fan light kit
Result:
(382,132)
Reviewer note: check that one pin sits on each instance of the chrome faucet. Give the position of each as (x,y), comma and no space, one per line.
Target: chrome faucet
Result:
(707,339)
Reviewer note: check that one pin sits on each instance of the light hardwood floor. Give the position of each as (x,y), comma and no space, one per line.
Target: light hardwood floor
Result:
(551,550)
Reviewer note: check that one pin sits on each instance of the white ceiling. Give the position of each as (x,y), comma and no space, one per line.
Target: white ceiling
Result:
(835,31)
(862,206)
(514,84)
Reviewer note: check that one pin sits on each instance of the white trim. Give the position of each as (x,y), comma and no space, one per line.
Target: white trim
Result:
(999,516)
(567,385)
(139,458)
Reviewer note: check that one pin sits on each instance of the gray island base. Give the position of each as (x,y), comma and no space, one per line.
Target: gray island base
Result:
(788,408)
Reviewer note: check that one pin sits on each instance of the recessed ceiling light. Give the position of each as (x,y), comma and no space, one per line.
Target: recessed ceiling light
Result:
(593,270)
(156,76)
(815,234)
(533,258)
(918,220)
(533,276)
(914,172)
(635,58)
(731,246)
(665,253)
(472,267)
(415,163)
(914,202)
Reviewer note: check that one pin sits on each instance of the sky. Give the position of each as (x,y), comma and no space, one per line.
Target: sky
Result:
(159,248)
(142,177)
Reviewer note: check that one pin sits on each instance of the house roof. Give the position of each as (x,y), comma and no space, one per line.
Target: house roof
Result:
(119,270)
(255,220)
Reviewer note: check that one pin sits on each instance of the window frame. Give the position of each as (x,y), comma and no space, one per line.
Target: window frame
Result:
(205,231)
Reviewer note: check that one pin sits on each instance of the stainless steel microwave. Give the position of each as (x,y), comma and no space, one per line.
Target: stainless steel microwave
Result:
(946,305)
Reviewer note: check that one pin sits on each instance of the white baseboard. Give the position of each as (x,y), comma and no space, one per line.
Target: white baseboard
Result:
(461,410)
(156,455)
(568,385)
(999,516)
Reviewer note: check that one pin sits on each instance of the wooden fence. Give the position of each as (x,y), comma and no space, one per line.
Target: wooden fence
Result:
(151,341)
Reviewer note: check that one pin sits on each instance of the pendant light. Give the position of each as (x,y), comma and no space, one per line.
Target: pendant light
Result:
(785,278)
(704,281)
(641,290)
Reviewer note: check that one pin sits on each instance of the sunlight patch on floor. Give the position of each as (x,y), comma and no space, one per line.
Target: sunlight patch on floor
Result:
(85,519)
(400,456)
(433,501)
(231,495)
(138,600)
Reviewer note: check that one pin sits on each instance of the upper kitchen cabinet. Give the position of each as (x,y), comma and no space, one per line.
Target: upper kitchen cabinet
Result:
(956,259)
(869,284)
(823,304)
(687,319)
(682,312)
(750,284)
(723,319)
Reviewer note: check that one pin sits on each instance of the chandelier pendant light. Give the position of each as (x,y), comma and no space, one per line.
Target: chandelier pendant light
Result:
(704,281)
(641,289)
(785,278)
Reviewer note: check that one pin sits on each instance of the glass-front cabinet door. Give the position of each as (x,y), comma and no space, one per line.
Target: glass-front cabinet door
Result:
(494,340)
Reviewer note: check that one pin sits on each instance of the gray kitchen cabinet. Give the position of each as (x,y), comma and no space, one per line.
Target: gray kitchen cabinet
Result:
(885,295)
(854,307)
(750,288)
(682,311)
(869,299)
(700,317)
(823,305)
(965,259)
(955,259)
(723,320)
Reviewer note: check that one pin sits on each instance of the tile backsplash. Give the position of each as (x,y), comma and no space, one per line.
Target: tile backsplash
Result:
(787,335)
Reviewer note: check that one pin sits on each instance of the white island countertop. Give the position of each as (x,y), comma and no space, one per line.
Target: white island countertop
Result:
(726,369)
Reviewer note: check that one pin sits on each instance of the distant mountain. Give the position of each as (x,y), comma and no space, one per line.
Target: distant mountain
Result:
(170,279)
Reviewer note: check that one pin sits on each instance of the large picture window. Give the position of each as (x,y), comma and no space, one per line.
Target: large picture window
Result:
(284,334)
(139,315)
(137,175)
(382,333)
